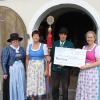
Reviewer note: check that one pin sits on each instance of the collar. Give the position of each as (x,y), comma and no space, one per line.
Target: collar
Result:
(62,42)
(16,49)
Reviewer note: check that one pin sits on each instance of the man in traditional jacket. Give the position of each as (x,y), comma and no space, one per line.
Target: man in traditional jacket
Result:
(60,73)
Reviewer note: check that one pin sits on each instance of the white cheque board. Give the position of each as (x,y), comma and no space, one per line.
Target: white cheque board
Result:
(69,56)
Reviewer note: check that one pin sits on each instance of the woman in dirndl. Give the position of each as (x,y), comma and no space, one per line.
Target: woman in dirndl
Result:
(12,59)
(36,54)
(88,87)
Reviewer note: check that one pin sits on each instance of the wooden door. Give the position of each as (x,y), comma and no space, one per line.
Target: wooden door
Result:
(10,22)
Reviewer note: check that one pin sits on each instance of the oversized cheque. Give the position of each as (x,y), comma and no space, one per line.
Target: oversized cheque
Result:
(69,57)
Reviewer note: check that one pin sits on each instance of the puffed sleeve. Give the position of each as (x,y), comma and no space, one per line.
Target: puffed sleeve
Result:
(97,52)
(45,48)
(83,47)
(23,53)
(4,59)
(27,49)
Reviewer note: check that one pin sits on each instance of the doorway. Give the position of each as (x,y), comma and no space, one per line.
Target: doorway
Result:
(11,22)
(77,22)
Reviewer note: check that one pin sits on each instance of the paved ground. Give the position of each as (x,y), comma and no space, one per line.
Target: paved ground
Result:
(0,95)
(71,96)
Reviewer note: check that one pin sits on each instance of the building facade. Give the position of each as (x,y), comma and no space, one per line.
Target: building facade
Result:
(24,16)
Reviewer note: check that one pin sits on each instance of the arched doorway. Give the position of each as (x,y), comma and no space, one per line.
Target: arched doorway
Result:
(76,21)
(52,6)
(10,22)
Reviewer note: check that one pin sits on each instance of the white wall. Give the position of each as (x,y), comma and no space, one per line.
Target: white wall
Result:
(95,4)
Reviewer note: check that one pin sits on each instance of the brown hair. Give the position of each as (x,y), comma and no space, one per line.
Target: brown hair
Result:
(35,32)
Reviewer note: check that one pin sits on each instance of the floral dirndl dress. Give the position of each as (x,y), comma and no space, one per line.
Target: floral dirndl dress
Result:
(88,87)
(36,85)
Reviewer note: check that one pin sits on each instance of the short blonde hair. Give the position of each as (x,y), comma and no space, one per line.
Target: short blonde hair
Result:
(91,32)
